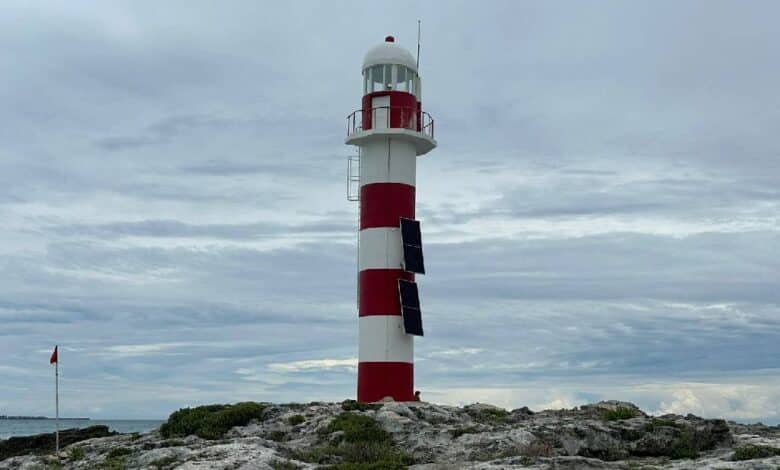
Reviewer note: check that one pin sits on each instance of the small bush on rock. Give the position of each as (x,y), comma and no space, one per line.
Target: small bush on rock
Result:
(164,462)
(621,412)
(684,447)
(657,423)
(489,415)
(77,453)
(211,421)
(457,432)
(284,465)
(277,436)
(352,405)
(296,420)
(751,452)
(363,445)
(538,448)
(118,452)
(358,428)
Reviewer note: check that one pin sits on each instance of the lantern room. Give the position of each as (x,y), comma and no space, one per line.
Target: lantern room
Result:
(389,67)
(392,98)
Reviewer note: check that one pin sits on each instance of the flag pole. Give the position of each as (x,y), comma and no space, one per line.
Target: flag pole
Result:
(57,403)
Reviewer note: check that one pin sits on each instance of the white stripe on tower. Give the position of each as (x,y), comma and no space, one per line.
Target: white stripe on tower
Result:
(380,248)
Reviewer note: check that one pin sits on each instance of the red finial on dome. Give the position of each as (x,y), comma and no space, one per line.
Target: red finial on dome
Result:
(389,39)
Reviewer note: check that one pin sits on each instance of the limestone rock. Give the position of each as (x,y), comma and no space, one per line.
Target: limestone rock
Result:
(433,437)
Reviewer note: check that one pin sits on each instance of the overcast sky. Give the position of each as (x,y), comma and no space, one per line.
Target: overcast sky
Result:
(601,218)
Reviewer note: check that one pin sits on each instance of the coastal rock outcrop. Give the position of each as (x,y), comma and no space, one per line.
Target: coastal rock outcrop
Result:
(424,436)
(45,443)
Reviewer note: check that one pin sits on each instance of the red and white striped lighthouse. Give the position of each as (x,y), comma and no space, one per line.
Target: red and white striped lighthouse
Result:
(391,131)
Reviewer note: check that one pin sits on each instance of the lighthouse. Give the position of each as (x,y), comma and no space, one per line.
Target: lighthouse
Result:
(390,130)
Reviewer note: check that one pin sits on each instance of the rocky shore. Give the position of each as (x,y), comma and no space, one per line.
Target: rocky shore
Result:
(422,436)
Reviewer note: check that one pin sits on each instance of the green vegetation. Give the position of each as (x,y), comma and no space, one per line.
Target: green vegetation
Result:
(457,432)
(277,436)
(656,423)
(76,453)
(163,462)
(621,412)
(538,448)
(170,443)
(751,452)
(352,405)
(489,415)
(358,428)
(296,420)
(684,447)
(211,421)
(113,463)
(284,465)
(118,452)
(362,445)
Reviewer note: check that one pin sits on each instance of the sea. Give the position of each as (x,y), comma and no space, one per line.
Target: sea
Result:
(27,427)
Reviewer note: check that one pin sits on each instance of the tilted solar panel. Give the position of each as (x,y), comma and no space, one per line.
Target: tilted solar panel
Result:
(412,241)
(410,307)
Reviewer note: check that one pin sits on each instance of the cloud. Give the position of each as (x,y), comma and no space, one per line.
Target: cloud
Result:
(128,350)
(315,365)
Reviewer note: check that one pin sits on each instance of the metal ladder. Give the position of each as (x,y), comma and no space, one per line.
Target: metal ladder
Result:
(353,177)
(353,194)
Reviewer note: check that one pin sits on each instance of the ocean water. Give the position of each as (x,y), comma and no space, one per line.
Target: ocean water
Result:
(26,427)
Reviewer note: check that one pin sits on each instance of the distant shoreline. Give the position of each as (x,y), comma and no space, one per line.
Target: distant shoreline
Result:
(41,418)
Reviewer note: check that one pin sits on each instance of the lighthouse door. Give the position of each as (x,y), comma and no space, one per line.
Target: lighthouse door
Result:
(381,112)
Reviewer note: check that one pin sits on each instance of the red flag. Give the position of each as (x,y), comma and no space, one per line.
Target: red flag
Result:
(53,358)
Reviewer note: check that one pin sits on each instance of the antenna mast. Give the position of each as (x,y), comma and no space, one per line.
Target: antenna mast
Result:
(418,46)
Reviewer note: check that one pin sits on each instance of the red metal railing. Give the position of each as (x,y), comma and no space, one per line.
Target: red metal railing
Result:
(390,117)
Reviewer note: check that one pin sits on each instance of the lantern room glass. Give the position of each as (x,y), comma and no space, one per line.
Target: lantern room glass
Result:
(386,77)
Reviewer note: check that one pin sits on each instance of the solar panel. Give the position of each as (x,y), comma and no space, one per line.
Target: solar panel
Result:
(412,241)
(410,231)
(410,307)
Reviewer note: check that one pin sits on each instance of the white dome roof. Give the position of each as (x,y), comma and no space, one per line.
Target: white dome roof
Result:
(389,53)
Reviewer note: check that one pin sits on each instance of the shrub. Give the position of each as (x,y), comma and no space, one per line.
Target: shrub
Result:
(684,447)
(118,452)
(457,432)
(77,453)
(277,436)
(296,420)
(383,465)
(358,428)
(656,423)
(211,421)
(113,463)
(363,446)
(163,462)
(318,455)
(171,443)
(751,452)
(489,415)
(352,405)
(283,465)
(538,448)
(621,412)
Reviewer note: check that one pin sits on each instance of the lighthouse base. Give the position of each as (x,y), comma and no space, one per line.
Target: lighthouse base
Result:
(377,380)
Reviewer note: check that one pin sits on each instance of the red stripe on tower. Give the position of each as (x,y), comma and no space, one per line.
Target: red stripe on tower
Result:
(377,380)
(379,291)
(383,204)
